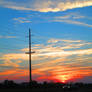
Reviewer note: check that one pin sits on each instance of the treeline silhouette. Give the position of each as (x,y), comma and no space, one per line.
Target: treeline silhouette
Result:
(34,86)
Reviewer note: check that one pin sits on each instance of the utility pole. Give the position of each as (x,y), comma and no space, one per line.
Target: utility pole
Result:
(30,58)
(30,67)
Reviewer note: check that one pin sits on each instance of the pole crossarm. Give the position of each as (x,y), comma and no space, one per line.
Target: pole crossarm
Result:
(30,52)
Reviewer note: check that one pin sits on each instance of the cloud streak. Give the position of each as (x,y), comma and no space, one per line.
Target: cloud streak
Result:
(21,20)
(74,22)
(7,37)
(51,62)
(46,5)
(72,19)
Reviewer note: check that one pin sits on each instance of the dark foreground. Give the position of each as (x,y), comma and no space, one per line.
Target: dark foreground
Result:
(10,86)
(47,90)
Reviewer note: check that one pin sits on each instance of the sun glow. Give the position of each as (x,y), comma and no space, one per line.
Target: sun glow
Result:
(63,78)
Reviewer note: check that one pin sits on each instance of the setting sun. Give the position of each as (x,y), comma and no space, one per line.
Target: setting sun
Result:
(63,78)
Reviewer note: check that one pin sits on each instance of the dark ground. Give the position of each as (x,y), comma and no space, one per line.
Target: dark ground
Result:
(10,86)
(45,90)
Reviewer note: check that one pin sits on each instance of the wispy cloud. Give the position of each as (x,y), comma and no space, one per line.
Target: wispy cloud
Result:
(22,20)
(46,5)
(72,18)
(51,62)
(73,22)
(63,40)
(55,48)
(7,37)
(15,74)
(68,18)
(8,63)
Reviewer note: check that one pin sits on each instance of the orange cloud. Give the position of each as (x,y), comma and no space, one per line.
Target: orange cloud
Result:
(65,76)
(56,73)
(49,63)
(14,74)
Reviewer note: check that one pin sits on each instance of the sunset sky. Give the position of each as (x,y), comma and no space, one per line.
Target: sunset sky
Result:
(61,38)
